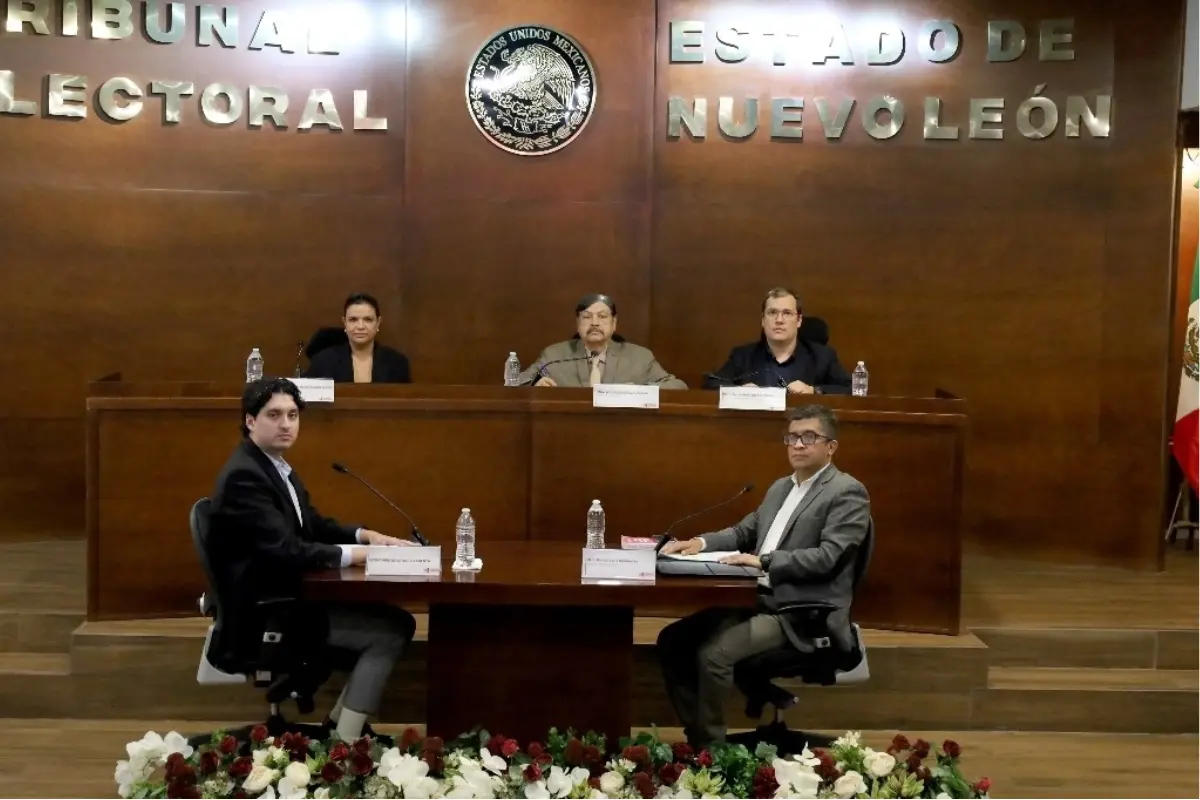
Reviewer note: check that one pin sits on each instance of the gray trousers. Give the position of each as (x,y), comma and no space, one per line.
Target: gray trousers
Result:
(378,634)
(697,655)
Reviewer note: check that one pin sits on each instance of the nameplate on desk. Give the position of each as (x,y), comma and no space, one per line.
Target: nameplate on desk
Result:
(406,561)
(619,565)
(624,395)
(752,398)
(315,390)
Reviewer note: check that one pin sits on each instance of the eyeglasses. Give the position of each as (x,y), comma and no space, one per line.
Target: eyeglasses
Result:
(806,438)
(786,313)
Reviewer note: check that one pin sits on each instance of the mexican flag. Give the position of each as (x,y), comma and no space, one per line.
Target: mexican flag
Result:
(1185,441)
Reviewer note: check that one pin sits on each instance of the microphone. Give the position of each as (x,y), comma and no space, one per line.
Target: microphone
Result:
(541,371)
(299,353)
(735,380)
(416,534)
(666,537)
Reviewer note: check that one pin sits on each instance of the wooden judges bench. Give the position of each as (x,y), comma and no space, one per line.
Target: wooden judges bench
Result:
(527,462)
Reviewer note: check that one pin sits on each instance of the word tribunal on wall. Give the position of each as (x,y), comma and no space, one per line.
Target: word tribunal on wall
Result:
(826,45)
(120,99)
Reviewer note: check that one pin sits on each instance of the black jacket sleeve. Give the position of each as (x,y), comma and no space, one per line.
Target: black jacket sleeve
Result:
(733,367)
(835,379)
(248,503)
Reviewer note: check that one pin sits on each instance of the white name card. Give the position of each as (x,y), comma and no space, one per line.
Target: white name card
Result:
(624,395)
(404,561)
(753,398)
(619,565)
(315,390)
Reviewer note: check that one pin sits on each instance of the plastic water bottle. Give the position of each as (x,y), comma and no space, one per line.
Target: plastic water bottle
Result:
(595,527)
(512,370)
(464,539)
(254,366)
(858,381)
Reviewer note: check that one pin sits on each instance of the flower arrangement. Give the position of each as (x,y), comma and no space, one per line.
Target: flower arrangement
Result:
(565,766)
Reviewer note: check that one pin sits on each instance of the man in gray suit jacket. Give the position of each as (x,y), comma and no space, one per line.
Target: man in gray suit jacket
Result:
(597,354)
(804,537)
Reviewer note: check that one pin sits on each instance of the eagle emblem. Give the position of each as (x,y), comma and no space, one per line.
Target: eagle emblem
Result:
(531,90)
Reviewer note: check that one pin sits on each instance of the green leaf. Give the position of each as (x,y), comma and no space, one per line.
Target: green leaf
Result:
(766,752)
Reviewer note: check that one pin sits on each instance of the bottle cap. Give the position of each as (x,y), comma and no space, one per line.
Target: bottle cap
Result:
(513,353)
(595,502)
(466,510)
(861,364)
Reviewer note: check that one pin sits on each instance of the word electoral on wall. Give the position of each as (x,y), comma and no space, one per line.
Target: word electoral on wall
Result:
(830,46)
(120,99)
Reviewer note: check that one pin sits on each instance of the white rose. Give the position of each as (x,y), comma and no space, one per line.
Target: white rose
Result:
(297,772)
(174,743)
(880,765)
(537,791)
(322,793)
(849,785)
(259,779)
(290,790)
(612,782)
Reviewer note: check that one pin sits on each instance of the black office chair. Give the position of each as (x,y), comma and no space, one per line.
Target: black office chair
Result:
(814,329)
(324,339)
(292,661)
(827,665)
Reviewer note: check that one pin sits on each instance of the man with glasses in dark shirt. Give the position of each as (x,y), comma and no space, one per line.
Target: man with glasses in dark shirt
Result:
(780,357)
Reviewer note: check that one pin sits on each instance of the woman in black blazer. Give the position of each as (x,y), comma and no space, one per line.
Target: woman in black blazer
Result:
(362,359)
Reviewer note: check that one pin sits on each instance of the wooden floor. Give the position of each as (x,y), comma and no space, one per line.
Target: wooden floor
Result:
(72,758)
(1044,648)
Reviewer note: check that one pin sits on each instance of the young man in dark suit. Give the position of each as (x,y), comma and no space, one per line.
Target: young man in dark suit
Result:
(264,534)
(780,357)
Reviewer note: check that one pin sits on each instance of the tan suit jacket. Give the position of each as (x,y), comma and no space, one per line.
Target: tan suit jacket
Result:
(623,363)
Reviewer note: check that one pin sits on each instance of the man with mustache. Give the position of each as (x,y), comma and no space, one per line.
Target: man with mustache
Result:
(597,354)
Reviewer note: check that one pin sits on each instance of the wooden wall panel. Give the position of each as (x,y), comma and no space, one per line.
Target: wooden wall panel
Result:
(1032,278)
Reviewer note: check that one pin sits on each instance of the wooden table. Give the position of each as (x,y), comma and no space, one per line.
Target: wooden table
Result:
(528,462)
(525,644)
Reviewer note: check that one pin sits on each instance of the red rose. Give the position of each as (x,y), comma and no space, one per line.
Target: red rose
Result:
(362,764)
(229,745)
(670,773)
(924,774)
(638,754)
(644,785)
(594,783)
(339,751)
(705,759)
(535,749)
(509,748)
(921,749)
(174,762)
(592,754)
(241,767)
(765,784)
(827,769)
(362,746)
(435,761)
(913,763)
(899,742)
(178,790)
(983,785)
(573,753)
(683,751)
(238,794)
(951,748)
(434,744)
(259,734)
(409,738)
(532,773)
(331,772)
(209,761)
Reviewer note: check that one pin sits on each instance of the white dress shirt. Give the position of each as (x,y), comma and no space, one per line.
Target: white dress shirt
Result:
(779,524)
(285,469)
